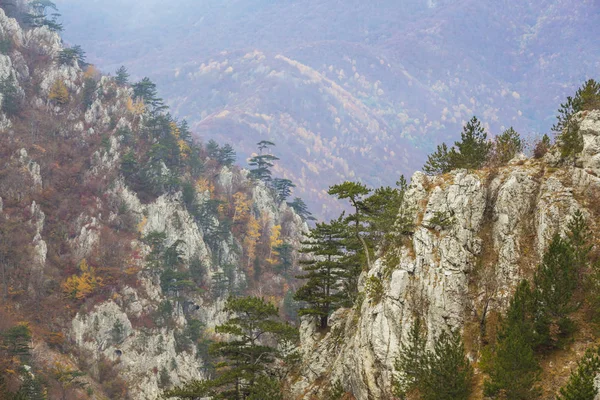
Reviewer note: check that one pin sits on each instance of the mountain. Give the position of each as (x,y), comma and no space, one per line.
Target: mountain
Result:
(347,90)
(477,236)
(120,237)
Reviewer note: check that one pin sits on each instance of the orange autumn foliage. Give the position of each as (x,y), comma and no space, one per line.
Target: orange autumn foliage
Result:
(82,285)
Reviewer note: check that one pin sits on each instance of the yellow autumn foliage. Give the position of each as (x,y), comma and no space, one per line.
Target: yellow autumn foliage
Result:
(184,148)
(275,241)
(135,108)
(203,185)
(80,286)
(252,237)
(241,204)
(59,93)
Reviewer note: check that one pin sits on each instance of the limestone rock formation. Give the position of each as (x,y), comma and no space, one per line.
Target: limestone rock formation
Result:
(477,234)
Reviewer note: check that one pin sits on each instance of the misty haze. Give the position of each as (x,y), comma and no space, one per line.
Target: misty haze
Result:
(299,199)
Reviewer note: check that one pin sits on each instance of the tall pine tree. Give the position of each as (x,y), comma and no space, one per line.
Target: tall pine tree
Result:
(323,271)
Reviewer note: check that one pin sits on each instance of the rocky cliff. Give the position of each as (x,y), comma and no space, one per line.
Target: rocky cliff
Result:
(477,234)
(83,275)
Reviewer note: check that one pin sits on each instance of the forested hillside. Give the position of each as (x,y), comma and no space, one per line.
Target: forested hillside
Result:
(121,236)
(348,90)
(138,261)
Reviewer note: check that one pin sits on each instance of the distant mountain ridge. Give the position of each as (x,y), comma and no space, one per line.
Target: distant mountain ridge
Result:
(409,73)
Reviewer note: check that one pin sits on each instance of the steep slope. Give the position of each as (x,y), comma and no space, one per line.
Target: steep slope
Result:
(120,272)
(411,72)
(458,273)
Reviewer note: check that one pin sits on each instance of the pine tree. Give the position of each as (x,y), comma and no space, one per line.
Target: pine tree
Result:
(439,162)
(283,188)
(541,148)
(355,193)
(72,55)
(443,373)
(512,367)
(122,76)
(555,282)
(246,362)
(301,209)
(262,164)
(145,90)
(473,148)
(411,361)
(581,385)
(323,271)
(449,373)
(226,155)
(587,97)
(507,146)
(39,15)
(10,96)
(579,238)
(89,90)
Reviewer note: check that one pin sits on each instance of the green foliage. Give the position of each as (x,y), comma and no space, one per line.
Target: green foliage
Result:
(555,281)
(17,341)
(6,45)
(245,371)
(580,385)
(31,389)
(164,379)
(511,365)
(72,55)
(541,148)
(438,162)
(587,97)
(225,155)
(89,90)
(580,239)
(286,263)
(441,219)
(335,392)
(301,209)
(122,76)
(374,288)
(265,388)
(283,189)
(10,96)
(38,15)
(471,152)
(507,146)
(411,361)
(261,166)
(323,271)
(117,332)
(145,90)
(443,373)
(386,215)
(473,149)
(174,282)
(355,193)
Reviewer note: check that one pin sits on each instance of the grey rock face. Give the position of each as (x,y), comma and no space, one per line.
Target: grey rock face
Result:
(477,234)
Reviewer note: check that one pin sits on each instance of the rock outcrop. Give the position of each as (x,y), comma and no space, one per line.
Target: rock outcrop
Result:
(140,327)
(476,235)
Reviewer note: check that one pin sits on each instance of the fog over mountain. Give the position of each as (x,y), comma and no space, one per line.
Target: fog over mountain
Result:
(346,89)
